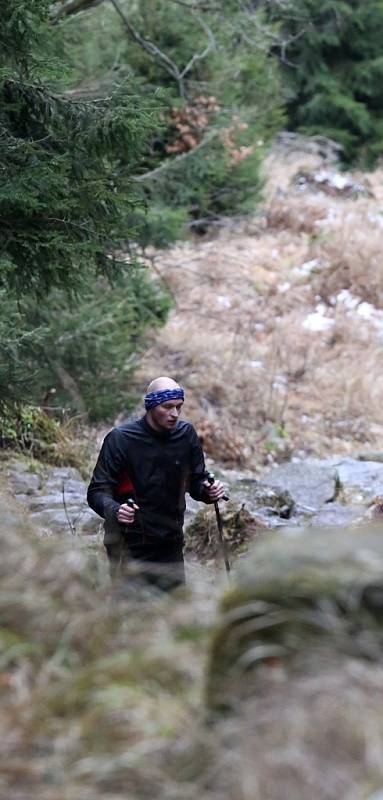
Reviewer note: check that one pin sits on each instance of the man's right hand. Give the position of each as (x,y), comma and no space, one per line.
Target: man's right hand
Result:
(125,513)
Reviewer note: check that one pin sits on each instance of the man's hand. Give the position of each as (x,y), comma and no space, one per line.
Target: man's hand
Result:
(125,513)
(215,490)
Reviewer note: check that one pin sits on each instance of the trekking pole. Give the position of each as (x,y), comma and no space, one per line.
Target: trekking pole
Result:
(222,540)
(130,502)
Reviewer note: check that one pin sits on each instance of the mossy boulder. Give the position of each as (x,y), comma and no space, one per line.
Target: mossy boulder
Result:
(29,429)
(264,500)
(296,598)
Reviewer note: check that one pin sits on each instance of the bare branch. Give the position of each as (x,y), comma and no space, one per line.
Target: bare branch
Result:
(268,34)
(69,7)
(148,46)
(166,62)
(66,8)
(210,45)
(197,6)
(71,525)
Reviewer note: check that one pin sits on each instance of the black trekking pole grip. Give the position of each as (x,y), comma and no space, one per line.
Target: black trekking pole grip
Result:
(211,479)
(130,502)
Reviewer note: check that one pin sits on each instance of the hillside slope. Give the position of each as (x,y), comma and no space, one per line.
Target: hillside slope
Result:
(277,328)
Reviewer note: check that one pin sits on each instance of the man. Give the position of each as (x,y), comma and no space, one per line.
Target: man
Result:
(152,461)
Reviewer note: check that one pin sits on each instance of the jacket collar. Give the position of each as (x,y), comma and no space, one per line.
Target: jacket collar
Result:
(157,434)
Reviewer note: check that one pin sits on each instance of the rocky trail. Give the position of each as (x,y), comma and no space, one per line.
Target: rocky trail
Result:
(333,492)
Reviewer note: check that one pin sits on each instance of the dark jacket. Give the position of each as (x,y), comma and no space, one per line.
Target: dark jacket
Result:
(155,469)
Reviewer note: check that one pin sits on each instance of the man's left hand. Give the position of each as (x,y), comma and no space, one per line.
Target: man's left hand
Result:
(215,490)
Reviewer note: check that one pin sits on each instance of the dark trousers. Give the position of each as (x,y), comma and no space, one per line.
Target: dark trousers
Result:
(160,564)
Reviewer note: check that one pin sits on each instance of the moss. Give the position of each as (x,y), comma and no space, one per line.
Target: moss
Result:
(240,528)
(30,429)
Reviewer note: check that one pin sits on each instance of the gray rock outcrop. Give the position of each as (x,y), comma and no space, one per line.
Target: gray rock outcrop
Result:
(54,497)
(310,484)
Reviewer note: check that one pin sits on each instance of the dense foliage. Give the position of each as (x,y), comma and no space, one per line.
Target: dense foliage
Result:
(65,197)
(136,122)
(331,53)
(78,354)
(65,164)
(222,102)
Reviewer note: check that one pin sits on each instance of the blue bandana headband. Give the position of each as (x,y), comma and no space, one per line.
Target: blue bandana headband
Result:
(156,398)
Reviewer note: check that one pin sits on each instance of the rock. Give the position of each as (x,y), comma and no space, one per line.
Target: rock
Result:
(76,520)
(192,508)
(24,482)
(68,477)
(370,456)
(89,523)
(52,521)
(298,602)
(310,484)
(22,498)
(42,501)
(267,501)
(290,143)
(332,183)
(55,500)
(254,508)
(360,480)
(334,514)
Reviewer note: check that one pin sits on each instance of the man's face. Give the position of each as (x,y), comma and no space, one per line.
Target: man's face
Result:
(165,415)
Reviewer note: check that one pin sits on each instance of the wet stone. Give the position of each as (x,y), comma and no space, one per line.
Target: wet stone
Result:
(363,478)
(336,514)
(56,501)
(260,498)
(24,482)
(74,520)
(310,484)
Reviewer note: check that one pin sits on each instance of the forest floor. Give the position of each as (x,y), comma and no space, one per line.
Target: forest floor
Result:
(277,327)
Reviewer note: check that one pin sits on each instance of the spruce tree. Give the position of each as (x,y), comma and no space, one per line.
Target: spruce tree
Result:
(66,192)
(65,164)
(331,54)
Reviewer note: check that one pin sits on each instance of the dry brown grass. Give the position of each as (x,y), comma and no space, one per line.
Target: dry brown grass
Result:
(351,252)
(236,340)
(95,689)
(315,736)
(286,212)
(104,700)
